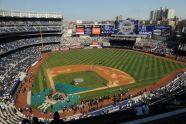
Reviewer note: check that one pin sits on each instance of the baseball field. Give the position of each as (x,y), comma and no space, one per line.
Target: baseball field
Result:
(143,68)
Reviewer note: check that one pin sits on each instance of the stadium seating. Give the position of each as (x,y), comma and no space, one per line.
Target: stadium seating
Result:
(9,46)
(13,65)
(82,41)
(9,114)
(153,46)
(17,55)
(14,25)
(27,29)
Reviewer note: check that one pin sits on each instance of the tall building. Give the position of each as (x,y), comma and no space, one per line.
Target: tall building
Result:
(171,14)
(119,18)
(158,15)
(162,14)
(151,15)
(155,15)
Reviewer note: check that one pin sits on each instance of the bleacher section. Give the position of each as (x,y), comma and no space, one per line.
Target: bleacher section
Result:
(153,46)
(9,114)
(83,41)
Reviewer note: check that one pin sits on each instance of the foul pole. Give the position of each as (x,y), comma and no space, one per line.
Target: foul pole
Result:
(41,35)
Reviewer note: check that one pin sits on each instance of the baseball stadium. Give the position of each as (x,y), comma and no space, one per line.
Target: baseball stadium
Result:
(96,73)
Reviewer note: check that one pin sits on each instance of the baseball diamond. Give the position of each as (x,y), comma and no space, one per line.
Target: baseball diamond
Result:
(121,70)
(114,77)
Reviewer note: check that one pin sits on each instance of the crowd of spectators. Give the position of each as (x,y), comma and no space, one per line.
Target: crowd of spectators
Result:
(83,41)
(29,22)
(8,46)
(16,64)
(153,46)
(29,29)
(12,65)
(51,47)
(29,25)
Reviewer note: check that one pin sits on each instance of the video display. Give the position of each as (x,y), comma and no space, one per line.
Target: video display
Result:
(88,29)
(107,29)
(80,29)
(96,30)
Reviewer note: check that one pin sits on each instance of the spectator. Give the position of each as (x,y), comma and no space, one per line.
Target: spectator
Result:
(25,121)
(57,119)
(35,120)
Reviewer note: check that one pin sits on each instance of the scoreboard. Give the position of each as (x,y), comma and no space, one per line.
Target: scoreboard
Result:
(123,27)
(80,29)
(96,30)
(88,29)
(107,29)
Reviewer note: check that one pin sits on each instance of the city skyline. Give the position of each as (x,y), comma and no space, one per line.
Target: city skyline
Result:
(162,14)
(97,9)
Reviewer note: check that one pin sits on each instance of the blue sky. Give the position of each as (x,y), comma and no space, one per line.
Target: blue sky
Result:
(96,9)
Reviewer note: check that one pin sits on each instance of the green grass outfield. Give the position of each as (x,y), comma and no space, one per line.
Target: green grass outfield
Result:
(91,79)
(145,69)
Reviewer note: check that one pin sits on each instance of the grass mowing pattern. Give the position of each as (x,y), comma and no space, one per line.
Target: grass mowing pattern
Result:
(144,68)
(91,79)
